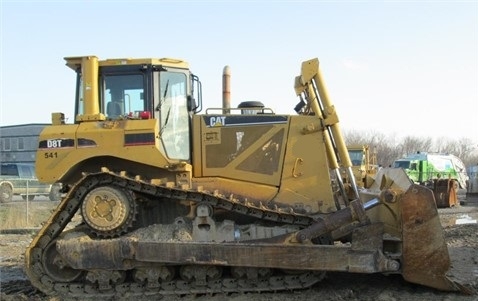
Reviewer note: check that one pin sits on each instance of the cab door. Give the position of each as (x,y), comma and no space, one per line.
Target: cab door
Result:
(172,111)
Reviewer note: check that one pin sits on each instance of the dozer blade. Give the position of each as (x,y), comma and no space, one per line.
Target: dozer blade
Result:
(425,254)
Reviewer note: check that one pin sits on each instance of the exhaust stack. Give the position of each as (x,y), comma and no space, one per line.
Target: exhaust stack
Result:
(226,89)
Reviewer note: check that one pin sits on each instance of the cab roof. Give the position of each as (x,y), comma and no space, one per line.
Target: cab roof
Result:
(75,62)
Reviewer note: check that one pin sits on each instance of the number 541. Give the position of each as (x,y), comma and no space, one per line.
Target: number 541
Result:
(51,155)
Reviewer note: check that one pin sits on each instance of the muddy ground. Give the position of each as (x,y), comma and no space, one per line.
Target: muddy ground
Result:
(460,232)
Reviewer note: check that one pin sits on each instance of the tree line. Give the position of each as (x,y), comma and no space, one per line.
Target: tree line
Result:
(387,149)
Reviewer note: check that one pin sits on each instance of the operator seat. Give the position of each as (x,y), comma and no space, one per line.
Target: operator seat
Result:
(113,109)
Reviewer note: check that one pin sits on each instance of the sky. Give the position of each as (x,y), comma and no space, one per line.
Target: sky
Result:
(401,68)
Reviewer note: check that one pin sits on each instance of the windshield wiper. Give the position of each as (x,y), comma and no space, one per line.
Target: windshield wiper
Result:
(163,99)
(165,123)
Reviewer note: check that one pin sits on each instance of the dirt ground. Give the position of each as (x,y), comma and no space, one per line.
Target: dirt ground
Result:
(459,224)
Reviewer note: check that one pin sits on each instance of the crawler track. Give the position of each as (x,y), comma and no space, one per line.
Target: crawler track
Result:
(113,286)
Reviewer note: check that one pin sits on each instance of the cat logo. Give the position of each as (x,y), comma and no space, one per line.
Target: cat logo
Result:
(217,121)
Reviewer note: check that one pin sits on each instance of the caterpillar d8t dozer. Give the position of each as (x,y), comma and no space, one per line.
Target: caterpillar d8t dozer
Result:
(159,199)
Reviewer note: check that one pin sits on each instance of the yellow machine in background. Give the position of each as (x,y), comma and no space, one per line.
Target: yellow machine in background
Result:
(364,164)
(234,200)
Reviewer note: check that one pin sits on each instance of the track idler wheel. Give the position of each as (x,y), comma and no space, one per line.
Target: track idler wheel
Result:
(55,266)
(109,211)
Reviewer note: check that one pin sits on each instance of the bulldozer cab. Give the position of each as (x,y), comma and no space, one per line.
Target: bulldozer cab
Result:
(357,156)
(145,89)
(364,165)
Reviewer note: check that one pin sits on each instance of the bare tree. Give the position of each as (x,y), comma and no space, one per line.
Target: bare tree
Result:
(411,144)
(466,149)
(383,148)
(354,138)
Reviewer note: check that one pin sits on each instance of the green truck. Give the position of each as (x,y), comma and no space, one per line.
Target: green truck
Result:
(445,174)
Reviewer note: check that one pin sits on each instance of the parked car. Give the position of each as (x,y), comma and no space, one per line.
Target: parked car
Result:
(20,179)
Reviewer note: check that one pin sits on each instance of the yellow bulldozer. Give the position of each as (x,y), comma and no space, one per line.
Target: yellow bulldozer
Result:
(160,199)
(364,165)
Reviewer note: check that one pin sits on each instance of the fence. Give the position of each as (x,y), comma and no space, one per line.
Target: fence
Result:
(25,203)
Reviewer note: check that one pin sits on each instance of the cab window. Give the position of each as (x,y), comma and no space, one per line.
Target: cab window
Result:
(27,171)
(123,95)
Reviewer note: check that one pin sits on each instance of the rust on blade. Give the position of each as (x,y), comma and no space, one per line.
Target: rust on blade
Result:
(425,254)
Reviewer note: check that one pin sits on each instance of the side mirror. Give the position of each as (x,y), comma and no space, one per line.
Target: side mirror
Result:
(191,103)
